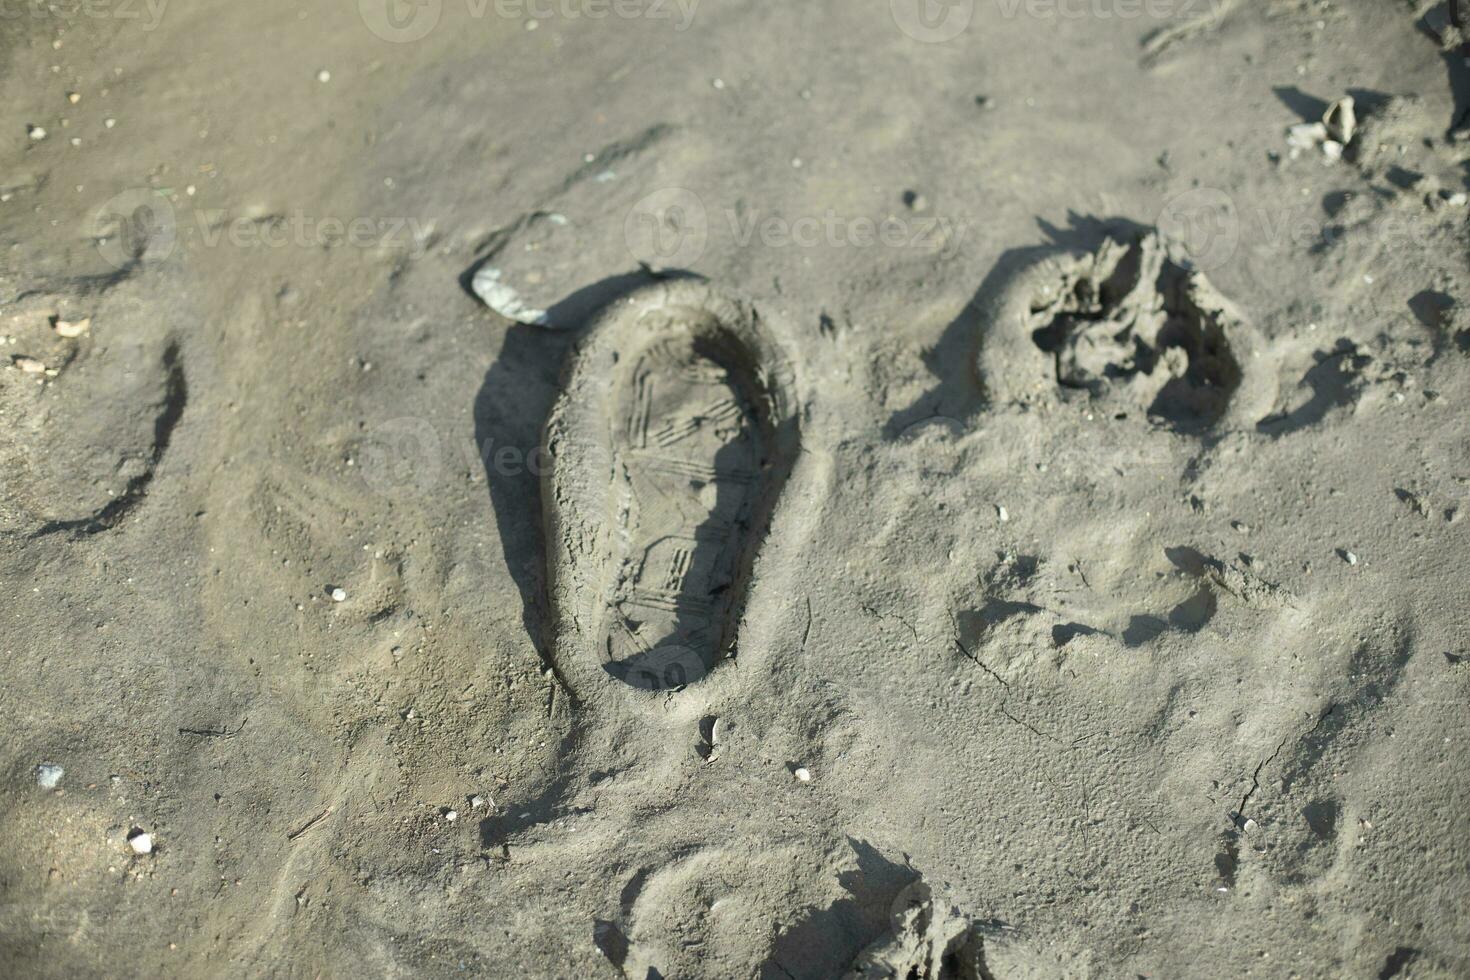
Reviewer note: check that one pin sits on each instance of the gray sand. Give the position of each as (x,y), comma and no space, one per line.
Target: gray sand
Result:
(1004,513)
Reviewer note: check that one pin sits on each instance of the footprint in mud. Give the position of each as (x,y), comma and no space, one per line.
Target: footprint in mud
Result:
(669,446)
(1132,324)
(106,409)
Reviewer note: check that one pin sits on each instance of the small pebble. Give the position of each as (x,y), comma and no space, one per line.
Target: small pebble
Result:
(109,123)
(73,97)
(915,201)
(803,775)
(47,775)
(451,815)
(476,802)
(140,841)
(36,133)
(1349,557)
(338,594)
(29,365)
(324,76)
(1002,513)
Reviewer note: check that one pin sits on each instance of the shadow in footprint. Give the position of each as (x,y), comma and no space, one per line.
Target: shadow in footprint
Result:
(1065,633)
(1457,62)
(1334,383)
(510,411)
(838,933)
(1431,308)
(1194,613)
(958,393)
(1144,629)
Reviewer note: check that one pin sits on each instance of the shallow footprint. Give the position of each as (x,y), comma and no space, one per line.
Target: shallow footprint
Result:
(670,443)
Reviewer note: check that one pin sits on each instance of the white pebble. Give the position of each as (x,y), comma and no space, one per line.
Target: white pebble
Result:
(73,328)
(47,775)
(803,774)
(1002,513)
(141,842)
(324,76)
(451,815)
(36,133)
(338,594)
(1349,557)
(30,365)
(109,123)
(476,802)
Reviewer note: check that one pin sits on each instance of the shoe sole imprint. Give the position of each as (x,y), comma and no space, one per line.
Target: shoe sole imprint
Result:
(672,439)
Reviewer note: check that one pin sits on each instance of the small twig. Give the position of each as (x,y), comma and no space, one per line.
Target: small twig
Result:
(310,823)
(212,733)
